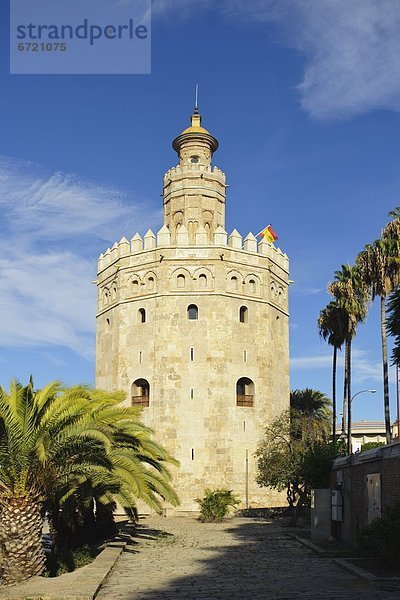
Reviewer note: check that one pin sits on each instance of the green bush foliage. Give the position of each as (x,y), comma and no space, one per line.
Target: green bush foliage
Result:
(371,445)
(215,505)
(381,539)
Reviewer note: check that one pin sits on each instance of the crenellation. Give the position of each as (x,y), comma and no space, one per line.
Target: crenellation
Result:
(124,247)
(235,240)
(201,238)
(163,237)
(107,257)
(220,236)
(182,236)
(250,243)
(149,240)
(136,244)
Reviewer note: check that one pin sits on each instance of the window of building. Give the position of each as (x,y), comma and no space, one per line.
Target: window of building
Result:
(243,314)
(191,393)
(191,354)
(150,283)
(142,315)
(245,356)
(140,393)
(234,283)
(252,286)
(135,286)
(192,312)
(244,392)
(192,453)
(202,281)
(180,280)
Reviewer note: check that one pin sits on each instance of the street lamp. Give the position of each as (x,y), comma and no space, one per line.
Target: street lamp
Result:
(349,445)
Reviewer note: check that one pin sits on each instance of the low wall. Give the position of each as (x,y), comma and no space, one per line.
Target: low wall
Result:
(354,475)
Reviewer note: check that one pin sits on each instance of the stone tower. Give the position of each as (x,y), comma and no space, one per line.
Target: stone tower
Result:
(193,325)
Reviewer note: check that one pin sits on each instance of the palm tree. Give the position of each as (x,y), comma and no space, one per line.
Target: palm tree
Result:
(55,441)
(352,296)
(332,324)
(393,323)
(314,412)
(380,271)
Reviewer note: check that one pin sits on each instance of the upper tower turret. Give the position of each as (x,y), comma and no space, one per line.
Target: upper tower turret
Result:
(194,192)
(195,145)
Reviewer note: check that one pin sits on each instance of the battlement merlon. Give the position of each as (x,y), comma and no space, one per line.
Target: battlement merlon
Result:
(150,242)
(195,170)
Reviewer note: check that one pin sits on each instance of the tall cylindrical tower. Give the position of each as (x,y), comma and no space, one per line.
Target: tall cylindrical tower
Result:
(193,325)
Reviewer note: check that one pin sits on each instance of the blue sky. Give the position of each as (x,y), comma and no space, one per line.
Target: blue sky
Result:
(304,97)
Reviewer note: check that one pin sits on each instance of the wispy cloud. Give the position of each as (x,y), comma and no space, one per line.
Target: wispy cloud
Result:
(364,367)
(351,48)
(51,228)
(306,290)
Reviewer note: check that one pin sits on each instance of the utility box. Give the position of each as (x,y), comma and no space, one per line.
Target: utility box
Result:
(337,505)
(320,515)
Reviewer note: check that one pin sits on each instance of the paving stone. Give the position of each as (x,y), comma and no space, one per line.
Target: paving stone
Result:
(239,558)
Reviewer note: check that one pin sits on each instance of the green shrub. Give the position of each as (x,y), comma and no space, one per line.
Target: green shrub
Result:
(215,505)
(68,561)
(381,539)
(371,445)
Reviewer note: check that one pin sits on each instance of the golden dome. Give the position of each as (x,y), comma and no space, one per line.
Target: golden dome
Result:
(195,129)
(195,133)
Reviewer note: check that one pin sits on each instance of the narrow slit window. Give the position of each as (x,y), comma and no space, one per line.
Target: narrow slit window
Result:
(191,393)
(243,314)
(245,356)
(192,453)
(140,357)
(191,354)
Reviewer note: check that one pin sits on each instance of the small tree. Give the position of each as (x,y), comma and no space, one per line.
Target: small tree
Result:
(279,456)
(295,457)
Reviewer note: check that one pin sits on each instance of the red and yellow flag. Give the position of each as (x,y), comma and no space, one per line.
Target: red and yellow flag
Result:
(269,234)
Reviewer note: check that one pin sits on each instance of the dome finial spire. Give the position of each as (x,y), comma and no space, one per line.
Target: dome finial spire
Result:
(196,102)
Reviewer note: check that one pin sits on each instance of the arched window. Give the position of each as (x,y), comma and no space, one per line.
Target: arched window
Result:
(234,283)
(180,281)
(142,315)
(140,393)
(150,283)
(192,312)
(243,314)
(244,392)
(135,286)
(202,281)
(252,286)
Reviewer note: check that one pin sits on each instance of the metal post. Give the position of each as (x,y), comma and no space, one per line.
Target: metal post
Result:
(247,479)
(398,403)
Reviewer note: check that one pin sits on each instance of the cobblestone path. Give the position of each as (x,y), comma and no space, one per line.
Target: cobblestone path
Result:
(178,558)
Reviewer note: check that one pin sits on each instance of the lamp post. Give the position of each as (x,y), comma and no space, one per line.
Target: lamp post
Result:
(349,445)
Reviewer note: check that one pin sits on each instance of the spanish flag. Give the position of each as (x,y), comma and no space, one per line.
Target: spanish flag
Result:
(269,234)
